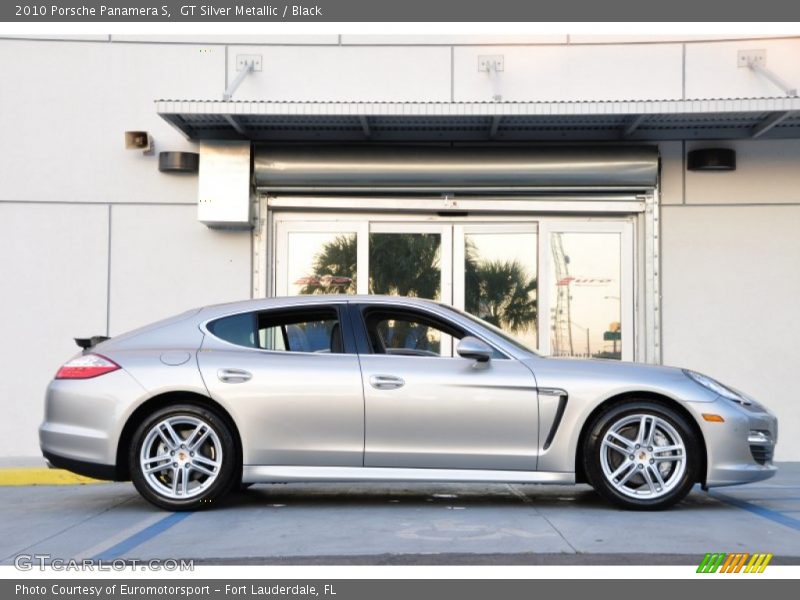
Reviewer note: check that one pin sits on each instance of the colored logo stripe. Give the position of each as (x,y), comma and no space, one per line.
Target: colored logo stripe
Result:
(734,563)
(758,563)
(711,562)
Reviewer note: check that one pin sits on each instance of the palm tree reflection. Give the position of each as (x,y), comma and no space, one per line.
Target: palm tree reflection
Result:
(502,292)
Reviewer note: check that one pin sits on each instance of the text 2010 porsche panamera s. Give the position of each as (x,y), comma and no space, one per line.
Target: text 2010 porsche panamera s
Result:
(371,388)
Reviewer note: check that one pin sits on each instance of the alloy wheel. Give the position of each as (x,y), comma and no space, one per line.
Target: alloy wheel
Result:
(181,457)
(643,456)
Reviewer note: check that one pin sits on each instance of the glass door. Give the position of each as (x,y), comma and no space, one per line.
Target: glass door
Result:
(496,269)
(563,286)
(320,257)
(587,289)
(411,259)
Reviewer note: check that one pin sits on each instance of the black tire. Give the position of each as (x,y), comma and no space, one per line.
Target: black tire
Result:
(593,452)
(226,475)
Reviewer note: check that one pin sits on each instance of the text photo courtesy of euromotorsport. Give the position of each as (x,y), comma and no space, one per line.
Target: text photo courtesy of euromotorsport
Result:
(185,591)
(186,10)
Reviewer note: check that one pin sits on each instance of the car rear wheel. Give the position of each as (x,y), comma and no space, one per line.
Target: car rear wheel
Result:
(642,456)
(183,457)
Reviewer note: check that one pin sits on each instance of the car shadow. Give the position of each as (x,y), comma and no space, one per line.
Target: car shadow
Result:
(323,495)
(453,496)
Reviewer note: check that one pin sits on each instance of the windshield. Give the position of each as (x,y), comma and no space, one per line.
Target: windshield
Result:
(495,330)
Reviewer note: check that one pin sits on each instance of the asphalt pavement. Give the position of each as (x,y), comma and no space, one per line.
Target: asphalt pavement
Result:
(403,524)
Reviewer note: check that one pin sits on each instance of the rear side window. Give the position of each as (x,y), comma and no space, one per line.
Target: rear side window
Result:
(308,330)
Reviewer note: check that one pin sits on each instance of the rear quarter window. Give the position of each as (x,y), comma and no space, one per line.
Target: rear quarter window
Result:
(236,329)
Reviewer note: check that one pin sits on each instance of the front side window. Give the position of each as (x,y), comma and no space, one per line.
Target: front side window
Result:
(308,330)
(408,333)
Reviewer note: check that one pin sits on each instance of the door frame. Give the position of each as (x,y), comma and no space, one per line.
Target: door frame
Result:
(641,209)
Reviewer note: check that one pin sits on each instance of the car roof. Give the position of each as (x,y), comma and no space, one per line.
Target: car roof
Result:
(311,299)
(209,313)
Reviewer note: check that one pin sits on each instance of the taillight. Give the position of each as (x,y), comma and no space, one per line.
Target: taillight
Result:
(86,367)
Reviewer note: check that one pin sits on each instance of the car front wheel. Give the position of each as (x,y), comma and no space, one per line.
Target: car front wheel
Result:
(183,457)
(642,456)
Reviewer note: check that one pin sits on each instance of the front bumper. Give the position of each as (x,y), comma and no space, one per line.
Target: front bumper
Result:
(740,450)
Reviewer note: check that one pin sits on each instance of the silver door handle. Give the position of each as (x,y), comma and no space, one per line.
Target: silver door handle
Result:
(234,375)
(386,382)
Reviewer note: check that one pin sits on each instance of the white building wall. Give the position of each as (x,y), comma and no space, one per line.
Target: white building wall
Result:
(67,105)
(54,281)
(712,71)
(94,240)
(342,73)
(571,72)
(165,261)
(731,274)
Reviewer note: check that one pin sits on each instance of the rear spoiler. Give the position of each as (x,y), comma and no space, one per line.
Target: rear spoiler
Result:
(86,343)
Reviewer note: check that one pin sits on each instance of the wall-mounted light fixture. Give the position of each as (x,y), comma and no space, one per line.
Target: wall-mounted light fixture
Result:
(711,159)
(139,140)
(178,162)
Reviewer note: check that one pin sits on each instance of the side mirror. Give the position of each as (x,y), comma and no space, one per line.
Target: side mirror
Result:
(472,347)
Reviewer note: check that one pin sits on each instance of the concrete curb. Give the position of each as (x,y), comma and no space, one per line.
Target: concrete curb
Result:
(21,476)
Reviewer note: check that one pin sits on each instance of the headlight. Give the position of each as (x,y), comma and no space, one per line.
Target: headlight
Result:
(715,386)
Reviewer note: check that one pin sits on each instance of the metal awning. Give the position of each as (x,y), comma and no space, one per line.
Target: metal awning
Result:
(646,120)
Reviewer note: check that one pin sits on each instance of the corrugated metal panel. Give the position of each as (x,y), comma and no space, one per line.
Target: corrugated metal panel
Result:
(480,121)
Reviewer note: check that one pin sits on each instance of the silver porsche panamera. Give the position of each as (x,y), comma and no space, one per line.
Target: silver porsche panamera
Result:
(376,388)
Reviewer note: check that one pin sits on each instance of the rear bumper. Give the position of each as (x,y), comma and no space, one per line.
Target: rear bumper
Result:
(83,420)
(89,469)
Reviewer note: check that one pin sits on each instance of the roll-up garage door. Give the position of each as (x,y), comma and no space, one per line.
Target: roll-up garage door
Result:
(458,170)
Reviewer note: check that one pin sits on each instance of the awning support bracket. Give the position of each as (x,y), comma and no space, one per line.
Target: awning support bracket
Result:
(757,67)
(234,122)
(633,124)
(495,127)
(364,121)
(249,67)
(769,122)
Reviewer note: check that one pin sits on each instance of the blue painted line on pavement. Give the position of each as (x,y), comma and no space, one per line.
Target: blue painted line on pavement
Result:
(140,537)
(775,499)
(761,511)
